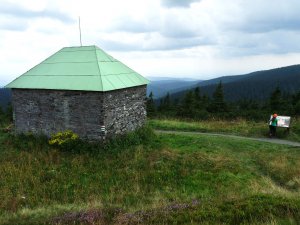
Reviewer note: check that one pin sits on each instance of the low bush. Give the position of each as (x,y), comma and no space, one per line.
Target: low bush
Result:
(66,140)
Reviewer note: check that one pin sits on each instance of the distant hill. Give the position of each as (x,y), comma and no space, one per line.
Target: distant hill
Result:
(161,87)
(256,85)
(183,78)
(5,97)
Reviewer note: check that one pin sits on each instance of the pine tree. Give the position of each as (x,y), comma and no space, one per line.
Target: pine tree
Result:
(165,104)
(1,111)
(198,99)
(197,93)
(276,100)
(205,102)
(187,106)
(297,108)
(150,105)
(218,103)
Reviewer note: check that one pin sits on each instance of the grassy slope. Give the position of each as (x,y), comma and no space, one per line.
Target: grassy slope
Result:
(165,179)
(237,127)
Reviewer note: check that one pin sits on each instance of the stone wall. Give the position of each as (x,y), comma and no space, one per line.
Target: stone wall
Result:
(124,110)
(83,112)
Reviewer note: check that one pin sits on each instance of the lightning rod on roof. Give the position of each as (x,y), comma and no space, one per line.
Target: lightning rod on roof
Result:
(79,31)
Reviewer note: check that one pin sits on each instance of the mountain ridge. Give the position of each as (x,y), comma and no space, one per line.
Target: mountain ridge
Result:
(255,85)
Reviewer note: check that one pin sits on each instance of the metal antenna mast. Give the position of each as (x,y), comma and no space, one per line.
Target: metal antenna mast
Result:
(80,32)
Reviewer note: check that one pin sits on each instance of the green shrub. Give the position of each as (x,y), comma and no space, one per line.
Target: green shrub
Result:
(65,140)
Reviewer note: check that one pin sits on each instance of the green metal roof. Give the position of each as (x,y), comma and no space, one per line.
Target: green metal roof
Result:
(86,68)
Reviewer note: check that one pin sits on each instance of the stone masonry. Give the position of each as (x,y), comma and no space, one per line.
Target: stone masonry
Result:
(84,112)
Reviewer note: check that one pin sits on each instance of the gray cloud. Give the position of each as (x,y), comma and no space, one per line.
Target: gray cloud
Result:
(267,24)
(170,27)
(233,27)
(155,45)
(176,31)
(182,43)
(269,16)
(177,3)
(244,29)
(14,27)
(174,26)
(131,25)
(249,44)
(21,12)
(179,32)
(13,24)
(117,46)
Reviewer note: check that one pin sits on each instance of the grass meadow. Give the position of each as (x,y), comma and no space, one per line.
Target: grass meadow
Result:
(144,178)
(240,127)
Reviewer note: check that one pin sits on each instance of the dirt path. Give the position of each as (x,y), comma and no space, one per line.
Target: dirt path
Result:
(270,140)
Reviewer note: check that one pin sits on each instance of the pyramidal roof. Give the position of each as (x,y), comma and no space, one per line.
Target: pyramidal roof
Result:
(86,68)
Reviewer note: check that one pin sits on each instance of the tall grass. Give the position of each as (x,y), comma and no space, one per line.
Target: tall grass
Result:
(143,178)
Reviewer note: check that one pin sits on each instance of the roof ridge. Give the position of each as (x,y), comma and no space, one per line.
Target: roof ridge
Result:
(98,66)
(109,57)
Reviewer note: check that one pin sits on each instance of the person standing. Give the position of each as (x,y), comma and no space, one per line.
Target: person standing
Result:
(273,124)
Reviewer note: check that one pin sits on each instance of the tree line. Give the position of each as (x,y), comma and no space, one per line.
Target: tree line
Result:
(195,105)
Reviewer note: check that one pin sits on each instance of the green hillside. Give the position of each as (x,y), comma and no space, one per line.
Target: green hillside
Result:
(145,178)
(257,85)
(161,87)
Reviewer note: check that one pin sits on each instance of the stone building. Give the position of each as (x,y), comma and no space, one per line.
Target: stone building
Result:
(82,89)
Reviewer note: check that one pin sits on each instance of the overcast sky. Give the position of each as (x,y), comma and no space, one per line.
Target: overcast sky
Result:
(199,39)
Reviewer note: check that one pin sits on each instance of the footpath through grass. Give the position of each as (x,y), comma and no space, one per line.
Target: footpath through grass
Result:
(238,127)
(149,179)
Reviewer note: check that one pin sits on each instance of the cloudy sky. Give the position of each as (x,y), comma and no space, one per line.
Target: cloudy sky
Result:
(199,39)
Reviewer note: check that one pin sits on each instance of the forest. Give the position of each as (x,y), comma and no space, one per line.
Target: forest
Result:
(196,105)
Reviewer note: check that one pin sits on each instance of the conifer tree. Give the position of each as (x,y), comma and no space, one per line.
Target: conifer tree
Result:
(165,103)
(187,108)
(296,103)
(218,103)
(205,102)
(276,100)
(198,100)
(297,108)
(150,105)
